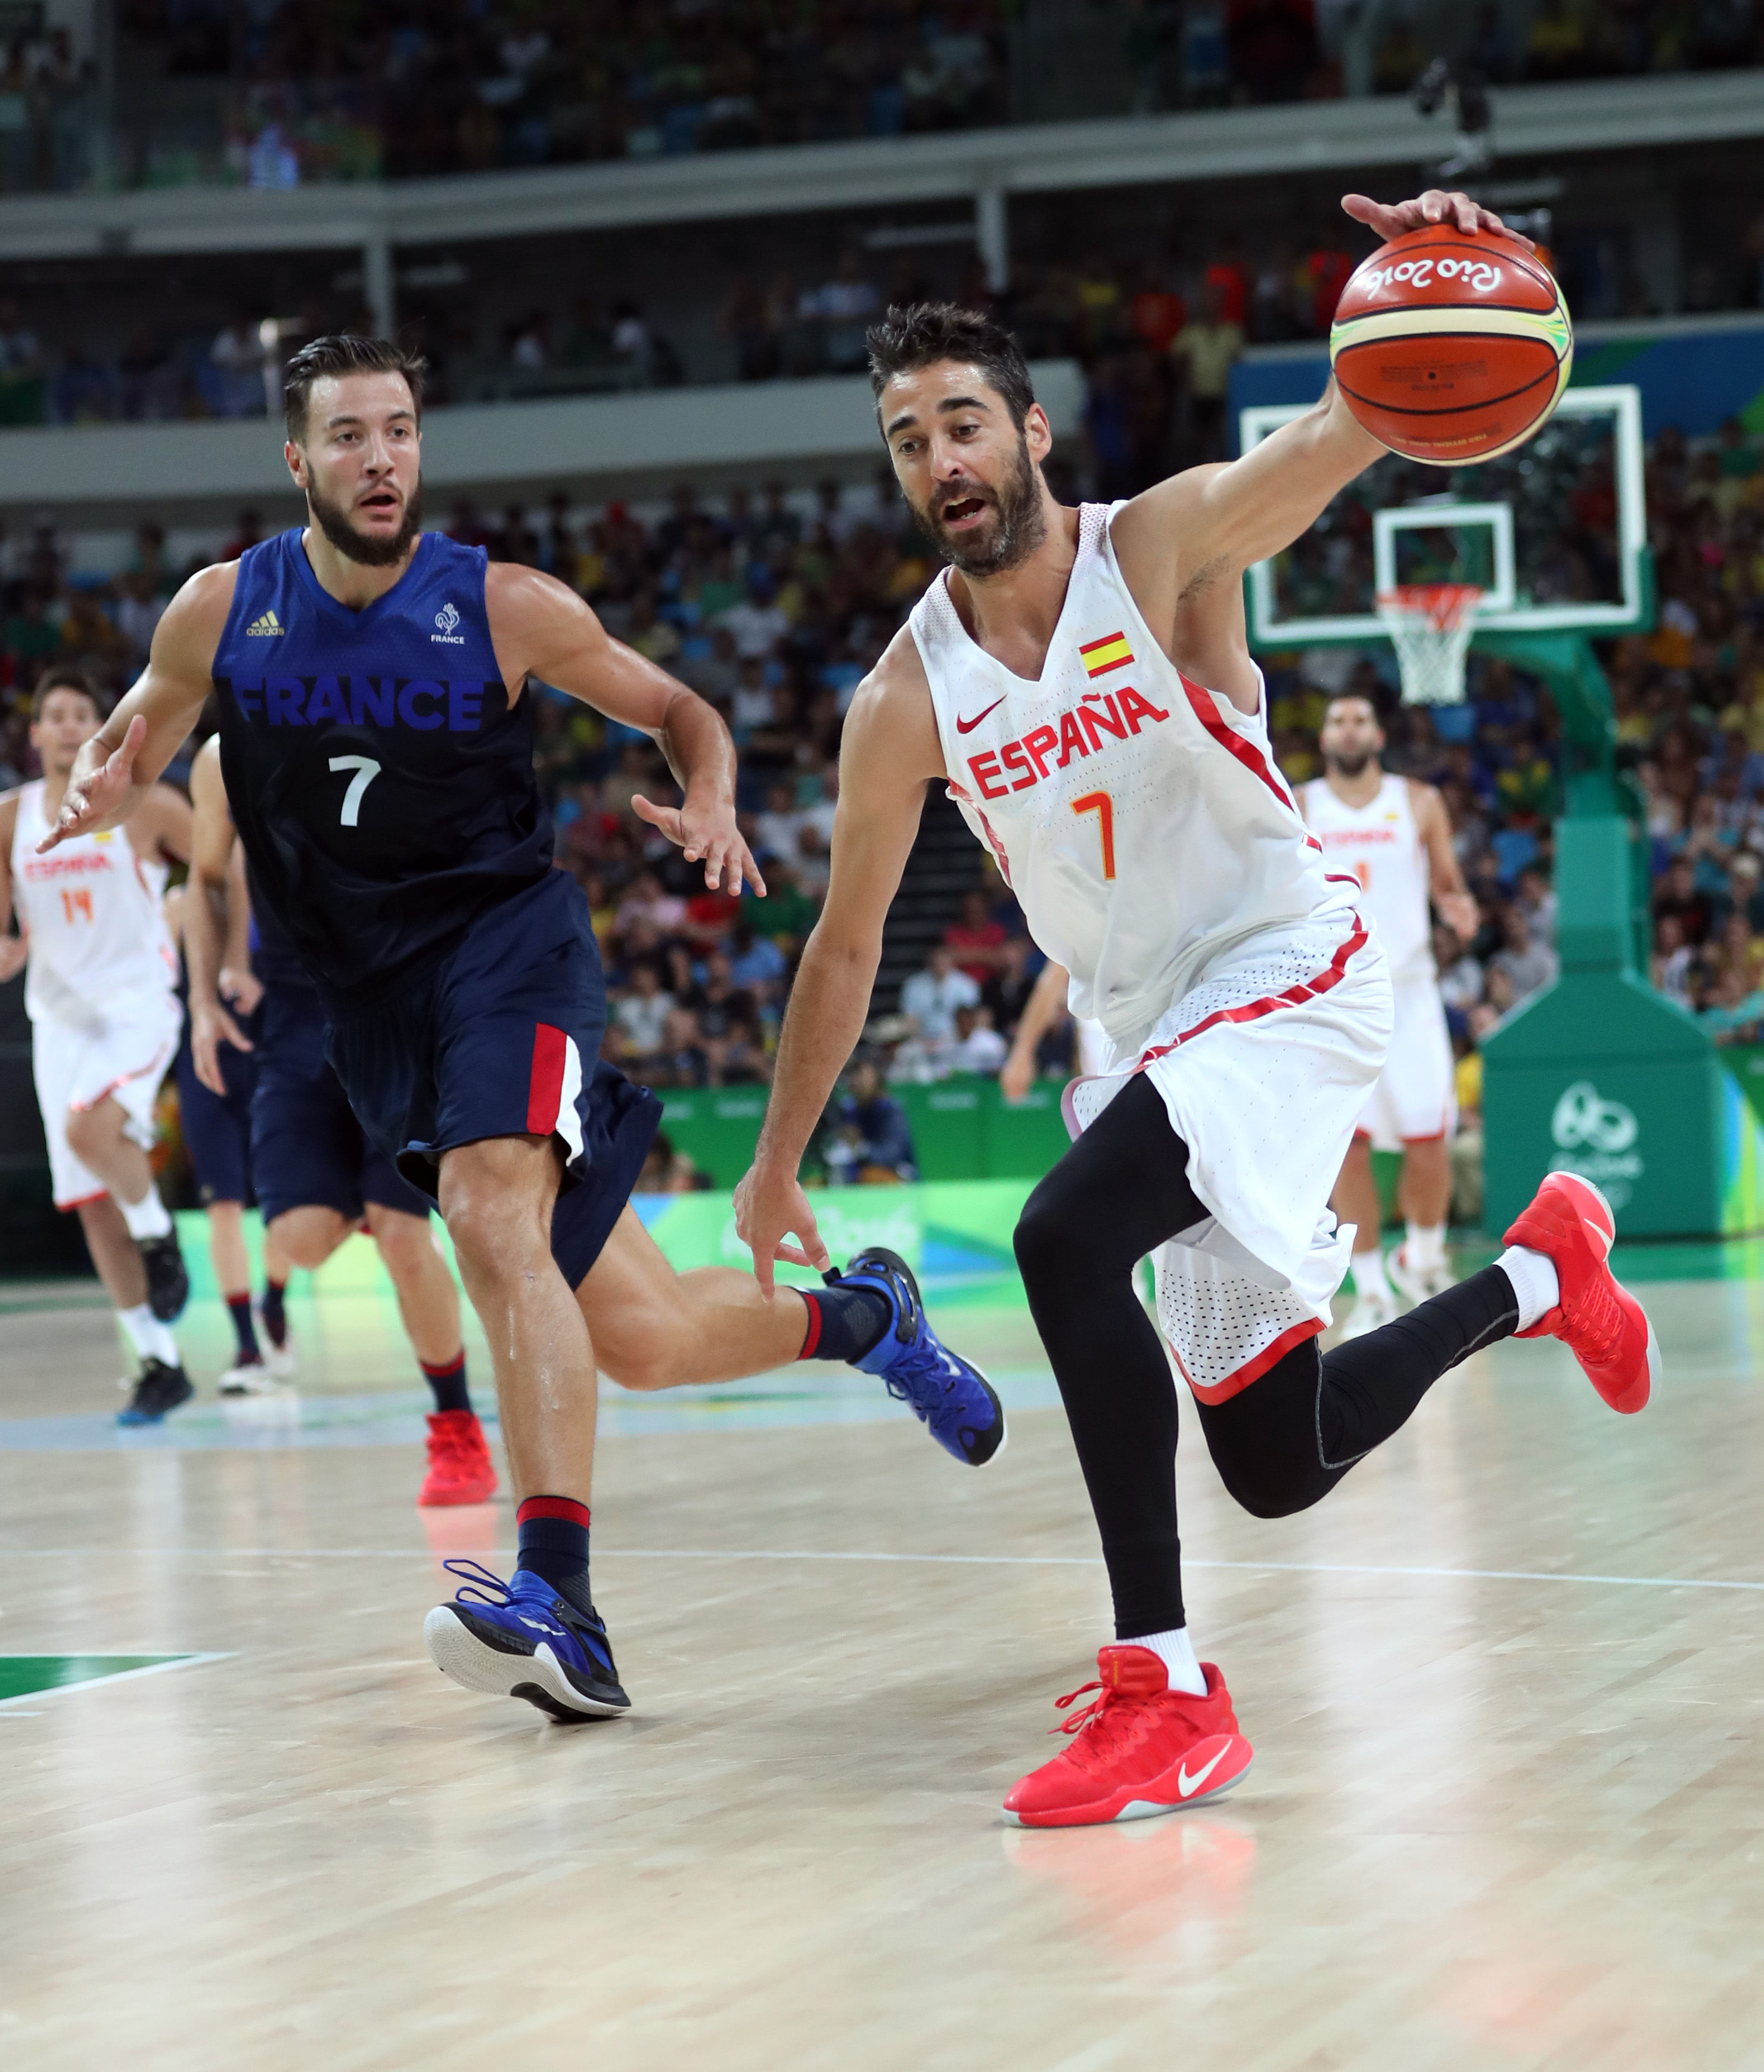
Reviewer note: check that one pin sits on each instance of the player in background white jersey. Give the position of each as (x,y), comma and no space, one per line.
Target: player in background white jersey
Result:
(1081,681)
(100,988)
(1393,835)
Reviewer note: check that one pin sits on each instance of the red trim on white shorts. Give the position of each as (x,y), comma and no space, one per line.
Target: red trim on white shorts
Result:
(82,1201)
(161,1058)
(1252,1369)
(1294,995)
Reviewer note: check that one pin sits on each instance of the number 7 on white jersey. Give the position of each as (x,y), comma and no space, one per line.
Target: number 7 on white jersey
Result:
(366,769)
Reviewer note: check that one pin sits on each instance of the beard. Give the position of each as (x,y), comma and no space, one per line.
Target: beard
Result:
(1021,523)
(333,521)
(1350,766)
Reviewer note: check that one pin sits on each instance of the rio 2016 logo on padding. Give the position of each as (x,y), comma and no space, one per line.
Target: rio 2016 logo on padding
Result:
(1582,1117)
(1597,1138)
(1480,274)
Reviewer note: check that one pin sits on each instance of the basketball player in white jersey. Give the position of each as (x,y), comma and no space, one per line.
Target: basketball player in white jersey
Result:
(1082,682)
(1393,835)
(100,988)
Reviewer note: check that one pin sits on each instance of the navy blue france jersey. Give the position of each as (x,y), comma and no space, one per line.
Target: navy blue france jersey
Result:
(380,780)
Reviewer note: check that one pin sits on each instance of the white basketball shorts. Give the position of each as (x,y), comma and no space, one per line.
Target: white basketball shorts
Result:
(124,1056)
(1264,1068)
(1416,1097)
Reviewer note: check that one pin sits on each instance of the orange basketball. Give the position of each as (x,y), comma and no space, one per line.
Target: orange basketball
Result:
(1451,346)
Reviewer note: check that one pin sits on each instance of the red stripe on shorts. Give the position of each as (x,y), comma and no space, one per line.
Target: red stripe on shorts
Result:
(1234,1383)
(1252,1010)
(545,1087)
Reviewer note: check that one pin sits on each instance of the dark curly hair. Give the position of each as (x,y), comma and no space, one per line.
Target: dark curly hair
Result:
(915,335)
(343,352)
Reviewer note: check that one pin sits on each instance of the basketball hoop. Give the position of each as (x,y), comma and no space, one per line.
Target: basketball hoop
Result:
(1430,625)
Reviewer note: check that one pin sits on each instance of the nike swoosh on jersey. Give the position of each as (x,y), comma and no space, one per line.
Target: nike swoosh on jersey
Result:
(968,726)
(1186,1786)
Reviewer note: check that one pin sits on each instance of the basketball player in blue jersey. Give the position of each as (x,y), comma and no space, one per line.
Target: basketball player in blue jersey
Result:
(376,744)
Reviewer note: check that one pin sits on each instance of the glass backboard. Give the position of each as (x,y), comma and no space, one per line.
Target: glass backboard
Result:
(1556,532)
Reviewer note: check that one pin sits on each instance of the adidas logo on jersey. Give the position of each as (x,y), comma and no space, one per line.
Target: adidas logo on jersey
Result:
(267,623)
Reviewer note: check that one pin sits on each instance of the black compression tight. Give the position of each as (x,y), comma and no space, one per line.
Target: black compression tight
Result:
(1279,1445)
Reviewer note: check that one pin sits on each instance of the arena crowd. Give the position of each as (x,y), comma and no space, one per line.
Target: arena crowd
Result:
(773,606)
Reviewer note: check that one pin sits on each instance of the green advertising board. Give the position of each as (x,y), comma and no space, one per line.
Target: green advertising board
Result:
(963,1128)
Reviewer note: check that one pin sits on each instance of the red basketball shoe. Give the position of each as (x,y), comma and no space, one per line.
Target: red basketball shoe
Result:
(1601,1323)
(1140,1749)
(460,1468)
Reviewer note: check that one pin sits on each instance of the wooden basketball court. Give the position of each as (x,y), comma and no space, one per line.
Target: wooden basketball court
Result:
(1506,1809)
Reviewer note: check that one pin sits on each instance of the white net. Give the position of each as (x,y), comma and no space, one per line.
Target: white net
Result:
(1430,625)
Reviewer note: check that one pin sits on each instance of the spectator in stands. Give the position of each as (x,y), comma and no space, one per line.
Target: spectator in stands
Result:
(977,939)
(1206,348)
(932,996)
(866,1138)
(1679,899)
(642,1017)
(976,1046)
(1527,966)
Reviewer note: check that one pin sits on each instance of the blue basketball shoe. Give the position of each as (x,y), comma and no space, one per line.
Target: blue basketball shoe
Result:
(948,1393)
(520,1639)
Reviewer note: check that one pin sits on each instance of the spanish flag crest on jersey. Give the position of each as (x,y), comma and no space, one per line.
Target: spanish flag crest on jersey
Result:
(1110,652)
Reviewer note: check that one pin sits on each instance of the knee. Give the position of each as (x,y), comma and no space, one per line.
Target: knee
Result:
(404,1242)
(1265,1489)
(492,1232)
(1043,1240)
(307,1237)
(85,1133)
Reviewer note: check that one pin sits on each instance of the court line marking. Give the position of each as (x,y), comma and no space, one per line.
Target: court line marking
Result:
(806,1554)
(114,1676)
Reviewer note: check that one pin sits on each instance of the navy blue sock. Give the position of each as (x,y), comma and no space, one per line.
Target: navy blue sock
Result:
(844,1322)
(239,1308)
(274,1314)
(447,1384)
(553,1542)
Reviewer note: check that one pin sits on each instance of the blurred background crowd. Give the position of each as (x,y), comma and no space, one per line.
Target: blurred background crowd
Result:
(773,603)
(281,92)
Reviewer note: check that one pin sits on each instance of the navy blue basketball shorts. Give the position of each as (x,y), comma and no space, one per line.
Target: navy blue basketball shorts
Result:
(307,1149)
(502,1039)
(217,1128)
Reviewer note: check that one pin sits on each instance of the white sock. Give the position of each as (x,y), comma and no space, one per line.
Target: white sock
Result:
(1534,1281)
(1423,1246)
(1369,1275)
(150,1338)
(146,1218)
(1176,1652)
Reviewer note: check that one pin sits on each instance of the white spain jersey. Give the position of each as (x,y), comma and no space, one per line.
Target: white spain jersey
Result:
(1140,819)
(95,911)
(1381,845)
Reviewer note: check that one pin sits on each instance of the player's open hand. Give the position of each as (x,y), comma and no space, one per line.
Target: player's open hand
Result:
(99,787)
(1458,912)
(1392,219)
(14,952)
(706,828)
(210,1026)
(769,1204)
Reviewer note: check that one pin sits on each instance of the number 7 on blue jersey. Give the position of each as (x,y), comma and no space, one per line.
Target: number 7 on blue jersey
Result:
(366,769)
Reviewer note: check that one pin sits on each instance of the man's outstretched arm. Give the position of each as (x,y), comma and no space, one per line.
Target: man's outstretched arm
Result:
(541,628)
(889,753)
(118,768)
(1208,524)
